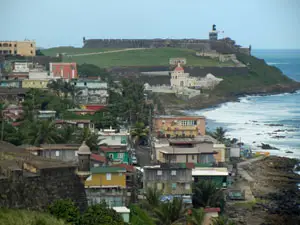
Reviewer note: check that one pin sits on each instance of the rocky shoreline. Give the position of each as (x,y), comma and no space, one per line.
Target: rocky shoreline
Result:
(213,100)
(277,197)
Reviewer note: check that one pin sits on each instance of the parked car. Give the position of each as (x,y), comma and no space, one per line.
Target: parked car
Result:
(134,160)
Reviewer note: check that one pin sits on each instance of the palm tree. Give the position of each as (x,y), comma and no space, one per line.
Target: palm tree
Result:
(87,135)
(196,216)
(40,132)
(139,216)
(57,86)
(206,194)
(67,134)
(219,134)
(170,213)
(221,221)
(152,198)
(139,132)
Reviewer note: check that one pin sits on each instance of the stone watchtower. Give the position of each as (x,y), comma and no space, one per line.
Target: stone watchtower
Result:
(84,157)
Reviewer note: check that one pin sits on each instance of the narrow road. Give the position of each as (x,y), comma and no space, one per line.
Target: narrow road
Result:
(107,52)
(143,156)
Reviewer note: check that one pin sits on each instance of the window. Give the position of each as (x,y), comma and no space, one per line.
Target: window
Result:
(120,155)
(111,156)
(173,172)
(120,174)
(31,52)
(113,138)
(15,45)
(193,157)
(56,153)
(159,186)
(159,172)
(108,176)
(96,165)
(173,186)
(84,83)
(9,45)
(187,186)
(15,52)
(31,45)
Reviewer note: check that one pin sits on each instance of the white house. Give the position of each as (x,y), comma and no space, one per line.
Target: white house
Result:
(180,79)
(112,138)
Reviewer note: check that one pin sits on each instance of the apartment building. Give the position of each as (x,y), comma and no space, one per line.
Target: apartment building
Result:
(23,48)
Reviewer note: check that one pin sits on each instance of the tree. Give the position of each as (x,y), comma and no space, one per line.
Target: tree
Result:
(221,220)
(40,132)
(140,217)
(56,86)
(66,210)
(169,212)
(91,70)
(206,194)
(101,214)
(152,198)
(87,135)
(196,216)
(219,134)
(139,132)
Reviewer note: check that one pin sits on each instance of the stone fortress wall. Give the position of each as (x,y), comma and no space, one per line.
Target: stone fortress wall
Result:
(224,46)
(34,182)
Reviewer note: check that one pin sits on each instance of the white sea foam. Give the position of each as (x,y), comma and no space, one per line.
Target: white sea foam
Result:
(277,63)
(254,120)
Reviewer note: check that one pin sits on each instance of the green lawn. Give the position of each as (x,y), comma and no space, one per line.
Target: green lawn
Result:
(145,57)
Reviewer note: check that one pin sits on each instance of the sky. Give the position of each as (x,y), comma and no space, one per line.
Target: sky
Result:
(265,24)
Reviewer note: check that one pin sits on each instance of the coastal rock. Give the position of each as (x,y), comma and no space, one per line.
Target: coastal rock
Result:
(274,125)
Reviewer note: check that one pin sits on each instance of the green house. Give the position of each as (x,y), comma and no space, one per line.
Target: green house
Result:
(116,155)
(216,174)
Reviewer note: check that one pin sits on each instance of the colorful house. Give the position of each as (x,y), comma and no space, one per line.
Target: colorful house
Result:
(179,126)
(107,184)
(115,155)
(41,84)
(216,174)
(10,83)
(66,70)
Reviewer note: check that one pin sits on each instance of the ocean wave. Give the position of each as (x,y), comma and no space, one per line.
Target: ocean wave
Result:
(277,63)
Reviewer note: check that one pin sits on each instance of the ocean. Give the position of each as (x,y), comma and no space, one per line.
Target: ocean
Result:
(273,119)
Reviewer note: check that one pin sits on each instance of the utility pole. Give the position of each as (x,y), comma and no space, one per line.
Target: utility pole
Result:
(150,133)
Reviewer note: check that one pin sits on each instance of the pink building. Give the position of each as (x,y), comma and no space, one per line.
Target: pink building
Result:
(66,71)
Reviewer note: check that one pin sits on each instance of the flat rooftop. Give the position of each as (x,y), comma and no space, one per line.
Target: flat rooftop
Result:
(210,171)
(11,152)
(172,150)
(176,117)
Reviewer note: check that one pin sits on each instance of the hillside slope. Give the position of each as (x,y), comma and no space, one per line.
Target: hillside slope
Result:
(24,217)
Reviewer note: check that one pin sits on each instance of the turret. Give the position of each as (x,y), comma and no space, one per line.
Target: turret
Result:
(213,35)
(84,156)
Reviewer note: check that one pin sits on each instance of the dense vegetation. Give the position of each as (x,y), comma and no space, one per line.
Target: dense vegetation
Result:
(138,57)
(25,217)
(260,77)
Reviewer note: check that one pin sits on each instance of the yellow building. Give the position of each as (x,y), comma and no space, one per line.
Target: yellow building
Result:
(23,48)
(41,84)
(106,177)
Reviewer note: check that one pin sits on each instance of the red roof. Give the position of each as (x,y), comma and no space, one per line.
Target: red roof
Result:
(190,165)
(129,168)
(179,69)
(99,158)
(207,210)
(104,148)
(95,107)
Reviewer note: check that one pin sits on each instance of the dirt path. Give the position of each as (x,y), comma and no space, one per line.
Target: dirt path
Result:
(107,52)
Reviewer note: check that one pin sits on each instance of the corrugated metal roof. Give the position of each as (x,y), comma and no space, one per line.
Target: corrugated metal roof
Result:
(108,170)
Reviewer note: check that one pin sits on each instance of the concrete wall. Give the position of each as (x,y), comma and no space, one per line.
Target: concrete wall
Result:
(39,75)
(37,192)
(64,155)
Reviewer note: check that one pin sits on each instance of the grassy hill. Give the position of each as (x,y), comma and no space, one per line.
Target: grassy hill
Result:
(138,57)
(24,217)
